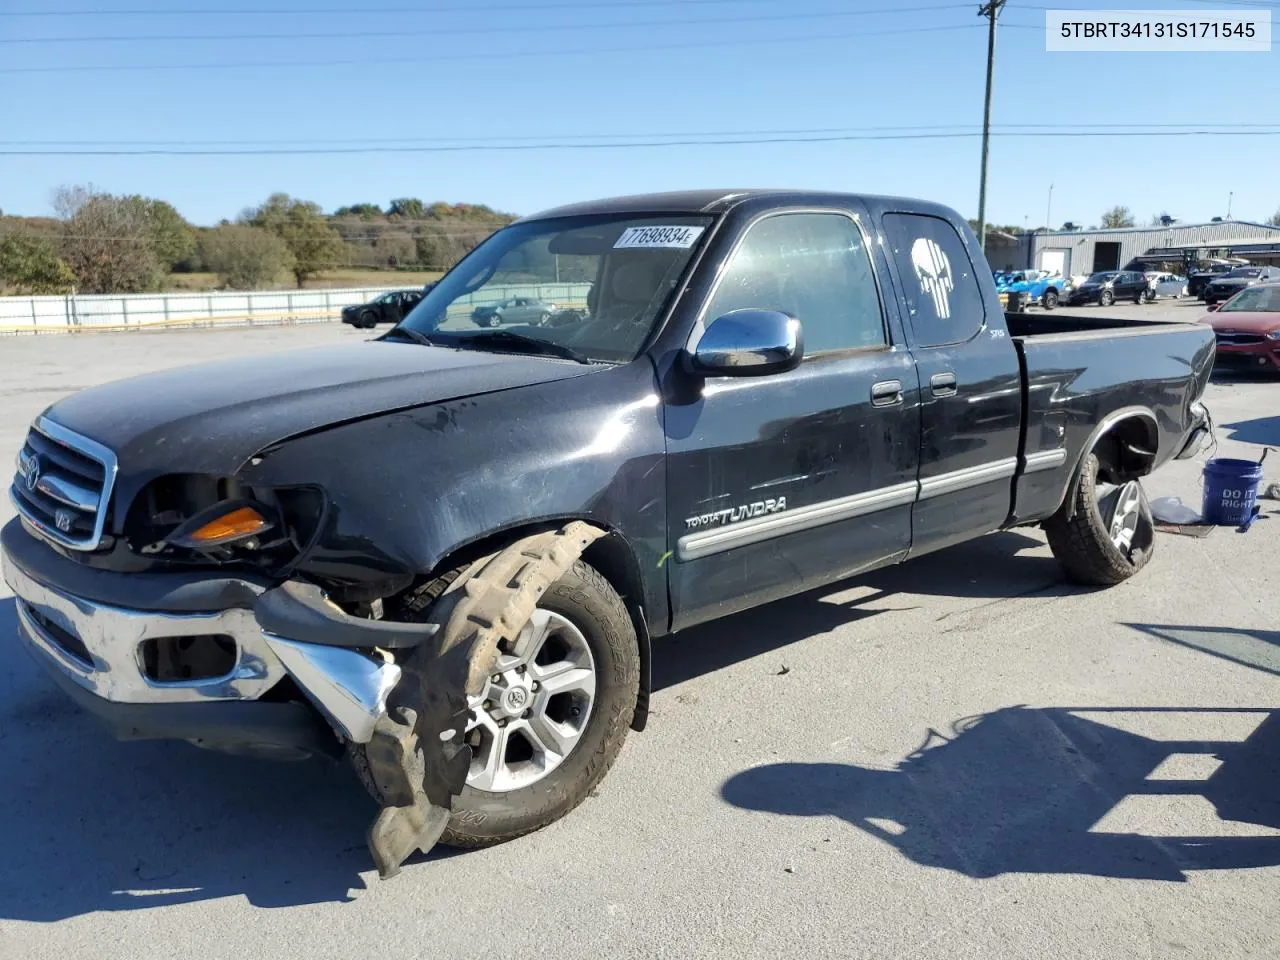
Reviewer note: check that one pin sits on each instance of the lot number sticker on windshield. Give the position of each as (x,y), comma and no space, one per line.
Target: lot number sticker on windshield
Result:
(680,238)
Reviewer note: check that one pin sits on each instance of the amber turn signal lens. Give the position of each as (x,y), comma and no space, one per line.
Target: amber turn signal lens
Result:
(241,522)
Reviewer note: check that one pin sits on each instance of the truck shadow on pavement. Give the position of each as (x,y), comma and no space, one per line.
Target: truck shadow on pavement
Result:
(1056,790)
(989,568)
(88,824)
(1261,430)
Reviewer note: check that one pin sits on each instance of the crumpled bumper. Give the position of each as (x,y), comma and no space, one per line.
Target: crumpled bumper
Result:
(97,650)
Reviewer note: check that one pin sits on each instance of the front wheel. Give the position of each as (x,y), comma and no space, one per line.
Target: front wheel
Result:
(553,715)
(1109,536)
(368,321)
(1106,298)
(1050,298)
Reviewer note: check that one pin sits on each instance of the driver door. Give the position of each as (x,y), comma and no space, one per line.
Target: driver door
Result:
(779,483)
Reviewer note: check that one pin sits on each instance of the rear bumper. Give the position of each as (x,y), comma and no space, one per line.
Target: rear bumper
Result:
(95,650)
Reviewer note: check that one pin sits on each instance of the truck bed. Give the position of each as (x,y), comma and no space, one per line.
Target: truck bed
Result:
(1057,325)
(1079,372)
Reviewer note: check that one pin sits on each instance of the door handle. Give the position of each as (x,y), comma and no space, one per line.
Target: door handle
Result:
(943,384)
(886,393)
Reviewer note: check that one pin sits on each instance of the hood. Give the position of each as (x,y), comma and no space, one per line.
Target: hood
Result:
(1243,321)
(1234,282)
(212,417)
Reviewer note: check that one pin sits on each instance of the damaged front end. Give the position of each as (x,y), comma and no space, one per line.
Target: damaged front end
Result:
(226,661)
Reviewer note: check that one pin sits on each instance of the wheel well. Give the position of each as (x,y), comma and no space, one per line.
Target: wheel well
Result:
(611,555)
(1126,450)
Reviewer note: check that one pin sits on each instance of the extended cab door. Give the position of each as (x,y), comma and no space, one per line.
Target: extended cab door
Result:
(783,482)
(970,380)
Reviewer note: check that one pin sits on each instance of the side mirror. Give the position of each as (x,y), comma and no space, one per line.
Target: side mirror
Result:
(748,343)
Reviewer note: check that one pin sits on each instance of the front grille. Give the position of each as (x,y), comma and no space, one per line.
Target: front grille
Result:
(1240,339)
(63,484)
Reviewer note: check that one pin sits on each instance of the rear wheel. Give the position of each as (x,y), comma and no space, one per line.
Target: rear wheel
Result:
(1050,298)
(553,715)
(1110,534)
(1141,297)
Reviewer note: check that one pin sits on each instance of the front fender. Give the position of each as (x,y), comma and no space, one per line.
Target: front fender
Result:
(408,489)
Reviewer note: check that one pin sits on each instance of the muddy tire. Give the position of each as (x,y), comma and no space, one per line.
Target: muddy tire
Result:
(1109,536)
(586,601)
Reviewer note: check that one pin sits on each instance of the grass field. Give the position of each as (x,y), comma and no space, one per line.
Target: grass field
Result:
(341,277)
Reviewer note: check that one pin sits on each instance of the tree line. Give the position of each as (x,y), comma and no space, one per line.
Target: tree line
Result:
(104,243)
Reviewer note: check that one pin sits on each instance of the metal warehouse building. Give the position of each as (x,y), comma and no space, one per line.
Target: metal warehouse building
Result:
(1177,246)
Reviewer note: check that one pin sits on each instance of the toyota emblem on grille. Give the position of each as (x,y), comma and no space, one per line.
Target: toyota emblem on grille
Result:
(31,471)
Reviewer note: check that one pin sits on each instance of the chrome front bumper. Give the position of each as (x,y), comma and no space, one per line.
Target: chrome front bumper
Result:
(98,648)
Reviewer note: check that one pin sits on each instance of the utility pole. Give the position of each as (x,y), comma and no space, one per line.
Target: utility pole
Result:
(1048,211)
(990,10)
(1230,195)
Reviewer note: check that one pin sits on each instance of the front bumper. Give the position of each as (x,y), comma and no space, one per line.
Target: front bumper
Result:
(95,649)
(1265,355)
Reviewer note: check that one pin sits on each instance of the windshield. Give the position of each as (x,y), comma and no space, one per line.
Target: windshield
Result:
(1245,272)
(1255,300)
(593,284)
(1102,277)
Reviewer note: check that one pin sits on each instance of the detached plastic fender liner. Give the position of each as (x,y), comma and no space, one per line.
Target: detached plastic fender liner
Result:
(417,755)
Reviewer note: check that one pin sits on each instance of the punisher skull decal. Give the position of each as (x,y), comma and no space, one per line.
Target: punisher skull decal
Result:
(933,270)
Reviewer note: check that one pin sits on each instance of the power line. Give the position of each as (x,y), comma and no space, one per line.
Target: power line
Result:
(496,55)
(412,11)
(1172,125)
(523,147)
(467,31)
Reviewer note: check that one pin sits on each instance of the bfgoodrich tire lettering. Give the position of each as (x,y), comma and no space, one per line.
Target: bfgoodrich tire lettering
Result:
(1083,542)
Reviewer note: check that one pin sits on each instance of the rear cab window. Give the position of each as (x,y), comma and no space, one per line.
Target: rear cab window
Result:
(943,297)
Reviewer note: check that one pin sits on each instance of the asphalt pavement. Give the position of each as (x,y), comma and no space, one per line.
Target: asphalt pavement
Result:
(961,757)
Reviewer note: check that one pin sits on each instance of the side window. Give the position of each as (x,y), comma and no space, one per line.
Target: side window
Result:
(942,292)
(813,266)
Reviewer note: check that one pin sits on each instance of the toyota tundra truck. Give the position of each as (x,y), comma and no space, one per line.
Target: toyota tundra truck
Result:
(443,552)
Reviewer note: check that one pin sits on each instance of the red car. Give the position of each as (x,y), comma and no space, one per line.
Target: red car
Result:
(1248,327)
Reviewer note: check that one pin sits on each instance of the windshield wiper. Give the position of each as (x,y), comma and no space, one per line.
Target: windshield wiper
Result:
(509,338)
(412,334)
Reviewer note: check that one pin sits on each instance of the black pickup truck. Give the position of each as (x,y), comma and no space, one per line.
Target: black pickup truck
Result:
(444,552)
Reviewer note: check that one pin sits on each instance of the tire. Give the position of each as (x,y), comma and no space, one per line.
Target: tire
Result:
(544,319)
(1050,298)
(368,321)
(1083,543)
(1140,298)
(585,599)
(492,320)
(1106,298)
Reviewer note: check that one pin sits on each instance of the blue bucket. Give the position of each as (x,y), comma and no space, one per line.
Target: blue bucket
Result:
(1230,489)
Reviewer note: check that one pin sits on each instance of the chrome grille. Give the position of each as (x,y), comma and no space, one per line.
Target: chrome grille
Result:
(1240,339)
(63,485)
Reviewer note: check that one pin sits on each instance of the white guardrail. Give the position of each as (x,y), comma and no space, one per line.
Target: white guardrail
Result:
(136,311)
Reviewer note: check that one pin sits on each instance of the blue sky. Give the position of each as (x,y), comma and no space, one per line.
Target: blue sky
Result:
(449,70)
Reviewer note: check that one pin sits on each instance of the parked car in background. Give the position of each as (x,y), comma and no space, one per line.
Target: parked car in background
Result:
(514,310)
(1228,285)
(1040,286)
(388,308)
(1201,277)
(1166,285)
(1247,327)
(1108,286)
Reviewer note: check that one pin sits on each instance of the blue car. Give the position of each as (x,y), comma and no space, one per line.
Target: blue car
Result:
(1040,286)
